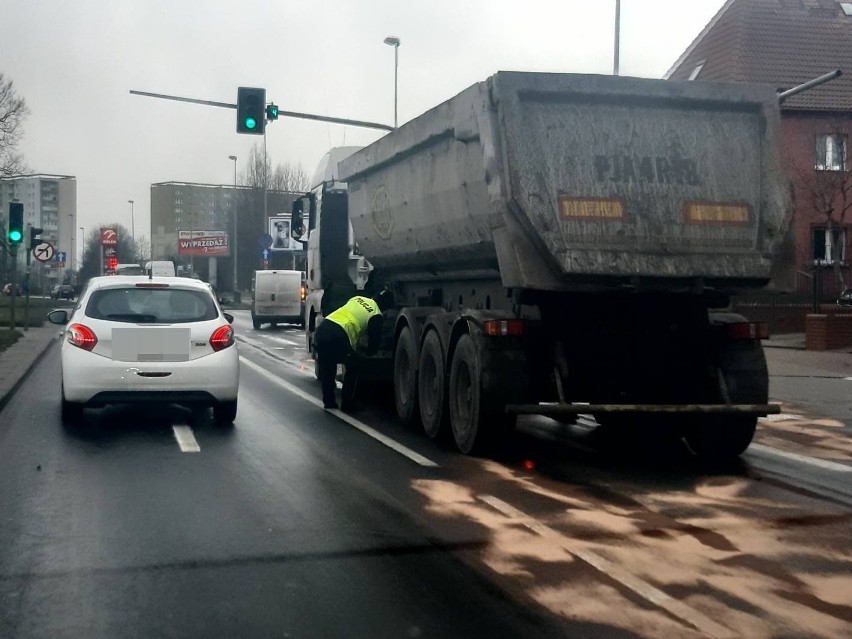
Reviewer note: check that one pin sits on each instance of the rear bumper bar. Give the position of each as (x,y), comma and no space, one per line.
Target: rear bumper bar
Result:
(584,409)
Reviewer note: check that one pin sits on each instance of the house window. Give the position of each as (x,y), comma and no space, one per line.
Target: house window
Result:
(830,152)
(824,242)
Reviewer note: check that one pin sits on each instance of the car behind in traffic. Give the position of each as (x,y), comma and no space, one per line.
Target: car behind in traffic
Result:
(160,340)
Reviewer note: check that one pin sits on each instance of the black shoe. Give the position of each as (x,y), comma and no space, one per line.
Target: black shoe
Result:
(331,404)
(348,407)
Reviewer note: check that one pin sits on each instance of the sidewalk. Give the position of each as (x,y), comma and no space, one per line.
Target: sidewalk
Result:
(18,359)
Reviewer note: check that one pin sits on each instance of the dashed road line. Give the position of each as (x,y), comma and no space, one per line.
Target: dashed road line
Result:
(355,423)
(186,439)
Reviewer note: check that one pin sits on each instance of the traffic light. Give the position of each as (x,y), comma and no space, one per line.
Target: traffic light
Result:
(15,234)
(35,240)
(251,104)
(272,112)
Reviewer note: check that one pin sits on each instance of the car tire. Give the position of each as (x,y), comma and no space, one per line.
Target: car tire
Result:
(224,413)
(72,412)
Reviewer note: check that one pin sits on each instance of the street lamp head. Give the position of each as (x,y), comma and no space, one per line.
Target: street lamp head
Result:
(232,157)
(392,41)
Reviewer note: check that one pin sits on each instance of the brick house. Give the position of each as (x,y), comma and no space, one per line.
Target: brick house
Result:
(784,43)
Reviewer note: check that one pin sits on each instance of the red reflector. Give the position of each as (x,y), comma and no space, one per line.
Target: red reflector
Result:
(529,464)
(81,336)
(222,338)
(747,330)
(498,328)
(152,285)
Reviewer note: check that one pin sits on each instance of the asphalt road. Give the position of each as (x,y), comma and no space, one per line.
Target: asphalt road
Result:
(298,522)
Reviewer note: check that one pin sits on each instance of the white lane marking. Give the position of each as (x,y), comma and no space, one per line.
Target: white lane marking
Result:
(186,439)
(370,432)
(642,588)
(848,379)
(802,459)
(288,341)
(781,417)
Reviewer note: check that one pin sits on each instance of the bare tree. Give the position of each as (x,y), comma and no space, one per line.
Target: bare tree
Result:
(826,185)
(283,177)
(13,112)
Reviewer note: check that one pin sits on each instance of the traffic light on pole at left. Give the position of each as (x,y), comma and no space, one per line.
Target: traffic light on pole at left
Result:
(15,234)
(251,110)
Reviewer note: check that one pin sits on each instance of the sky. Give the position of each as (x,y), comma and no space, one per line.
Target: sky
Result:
(75,62)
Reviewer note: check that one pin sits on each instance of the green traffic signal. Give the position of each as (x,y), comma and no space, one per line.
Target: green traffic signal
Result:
(250,108)
(15,234)
(250,123)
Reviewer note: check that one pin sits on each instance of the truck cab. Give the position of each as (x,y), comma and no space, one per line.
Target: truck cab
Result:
(320,220)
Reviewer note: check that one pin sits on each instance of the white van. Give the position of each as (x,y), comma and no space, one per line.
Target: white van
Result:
(160,269)
(278,296)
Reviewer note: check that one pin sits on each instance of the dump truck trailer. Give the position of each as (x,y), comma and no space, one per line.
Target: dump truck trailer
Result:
(562,244)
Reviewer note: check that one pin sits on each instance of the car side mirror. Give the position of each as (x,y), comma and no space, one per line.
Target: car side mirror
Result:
(59,316)
(229,317)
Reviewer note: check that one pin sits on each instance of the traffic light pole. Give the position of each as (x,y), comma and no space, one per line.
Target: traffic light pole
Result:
(288,114)
(13,251)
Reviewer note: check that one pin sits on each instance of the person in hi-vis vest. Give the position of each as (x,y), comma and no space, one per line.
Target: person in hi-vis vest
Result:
(337,336)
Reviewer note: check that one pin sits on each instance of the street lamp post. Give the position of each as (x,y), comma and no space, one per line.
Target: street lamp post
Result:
(394,42)
(132,228)
(617,37)
(80,253)
(234,215)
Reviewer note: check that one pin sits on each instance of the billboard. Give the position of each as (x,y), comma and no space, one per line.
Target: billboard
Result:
(279,229)
(203,243)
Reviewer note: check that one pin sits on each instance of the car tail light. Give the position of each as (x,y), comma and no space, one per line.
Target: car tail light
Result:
(222,338)
(151,285)
(498,328)
(747,330)
(81,336)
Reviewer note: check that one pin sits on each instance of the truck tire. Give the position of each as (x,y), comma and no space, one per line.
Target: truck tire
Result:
(431,387)
(405,378)
(476,421)
(255,322)
(722,438)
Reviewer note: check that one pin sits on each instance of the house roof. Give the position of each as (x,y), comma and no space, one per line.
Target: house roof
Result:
(782,43)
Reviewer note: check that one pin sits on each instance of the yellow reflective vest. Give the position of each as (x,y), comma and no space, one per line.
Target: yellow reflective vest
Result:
(354,316)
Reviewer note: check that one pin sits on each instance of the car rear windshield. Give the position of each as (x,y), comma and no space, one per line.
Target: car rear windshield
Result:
(152,305)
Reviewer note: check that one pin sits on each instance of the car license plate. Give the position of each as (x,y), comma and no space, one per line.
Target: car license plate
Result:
(151,344)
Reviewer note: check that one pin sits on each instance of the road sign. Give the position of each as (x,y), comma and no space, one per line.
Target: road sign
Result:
(44,252)
(264,241)
(264,254)
(59,256)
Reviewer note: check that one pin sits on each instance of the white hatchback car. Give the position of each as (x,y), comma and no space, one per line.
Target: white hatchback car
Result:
(133,340)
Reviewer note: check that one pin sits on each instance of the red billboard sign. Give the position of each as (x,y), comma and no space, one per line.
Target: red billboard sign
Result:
(109,237)
(203,243)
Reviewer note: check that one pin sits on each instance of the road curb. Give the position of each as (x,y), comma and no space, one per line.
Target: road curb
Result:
(36,355)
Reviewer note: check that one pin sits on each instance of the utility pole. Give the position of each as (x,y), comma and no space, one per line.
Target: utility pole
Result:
(617,36)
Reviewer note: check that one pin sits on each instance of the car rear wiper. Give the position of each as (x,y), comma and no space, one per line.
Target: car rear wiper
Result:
(141,318)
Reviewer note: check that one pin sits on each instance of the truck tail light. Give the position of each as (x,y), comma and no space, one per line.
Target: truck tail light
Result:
(499,328)
(747,330)
(222,338)
(303,293)
(81,336)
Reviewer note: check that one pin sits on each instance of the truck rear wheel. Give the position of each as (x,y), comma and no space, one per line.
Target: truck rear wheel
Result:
(431,385)
(405,378)
(744,374)
(476,421)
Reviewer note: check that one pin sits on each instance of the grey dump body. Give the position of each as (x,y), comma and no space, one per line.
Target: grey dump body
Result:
(562,182)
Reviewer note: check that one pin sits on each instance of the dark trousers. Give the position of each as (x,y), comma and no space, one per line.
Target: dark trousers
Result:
(332,346)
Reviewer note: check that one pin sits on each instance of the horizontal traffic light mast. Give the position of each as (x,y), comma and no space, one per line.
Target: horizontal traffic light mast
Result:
(272,111)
